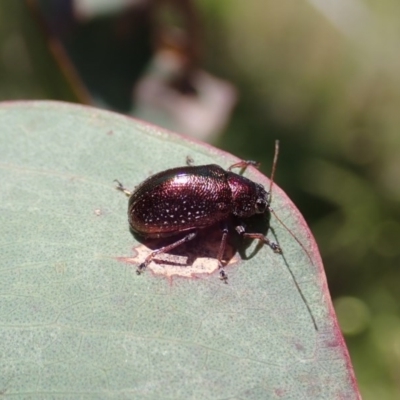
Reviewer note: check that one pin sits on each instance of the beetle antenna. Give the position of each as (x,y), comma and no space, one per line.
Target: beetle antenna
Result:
(290,271)
(271,181)
(274,163)
(291,234)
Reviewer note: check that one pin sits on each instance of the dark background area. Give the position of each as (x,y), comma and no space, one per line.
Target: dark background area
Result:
(323,79)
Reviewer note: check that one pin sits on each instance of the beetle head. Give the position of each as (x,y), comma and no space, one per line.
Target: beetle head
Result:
(261,203)
(248,197)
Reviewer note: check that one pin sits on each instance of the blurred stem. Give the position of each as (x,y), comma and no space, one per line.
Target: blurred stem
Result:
(50,61)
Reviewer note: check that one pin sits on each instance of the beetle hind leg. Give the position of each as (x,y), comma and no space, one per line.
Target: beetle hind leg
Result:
(165,249)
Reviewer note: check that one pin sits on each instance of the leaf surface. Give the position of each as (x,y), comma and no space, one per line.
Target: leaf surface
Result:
(76,320)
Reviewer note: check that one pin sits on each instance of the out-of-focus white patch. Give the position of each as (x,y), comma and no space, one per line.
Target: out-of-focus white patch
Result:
(202,115)
(88,9)
(351,17)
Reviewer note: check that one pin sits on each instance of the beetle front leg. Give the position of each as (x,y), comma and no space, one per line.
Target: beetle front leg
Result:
(164,249)
(241,230)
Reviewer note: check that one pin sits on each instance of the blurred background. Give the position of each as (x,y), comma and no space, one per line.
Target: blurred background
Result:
(322,76)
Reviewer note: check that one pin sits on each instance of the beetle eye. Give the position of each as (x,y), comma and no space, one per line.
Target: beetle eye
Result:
(261,205)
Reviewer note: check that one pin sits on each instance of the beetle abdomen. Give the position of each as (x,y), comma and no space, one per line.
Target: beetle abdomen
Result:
(180,199)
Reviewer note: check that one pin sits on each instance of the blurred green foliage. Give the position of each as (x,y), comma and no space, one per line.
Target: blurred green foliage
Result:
(28,69)
(328,86)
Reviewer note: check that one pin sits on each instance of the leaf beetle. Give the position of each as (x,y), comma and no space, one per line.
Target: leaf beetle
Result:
(184,200)
(187,199)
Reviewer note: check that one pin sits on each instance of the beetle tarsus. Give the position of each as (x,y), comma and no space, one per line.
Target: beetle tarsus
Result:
(223,276)
(122,188)
(189,161)
(244,164)
(141,268)
(275,247)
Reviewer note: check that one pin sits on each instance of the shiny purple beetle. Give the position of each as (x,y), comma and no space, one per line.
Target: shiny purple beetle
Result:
(187,199)
(184,200)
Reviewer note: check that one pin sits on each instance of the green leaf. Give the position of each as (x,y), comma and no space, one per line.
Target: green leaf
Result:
(76,320)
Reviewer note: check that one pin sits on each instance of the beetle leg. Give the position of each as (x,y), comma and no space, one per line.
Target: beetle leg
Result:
(244,164)
(223,276)
(240,229)
(164,249)
(189,161)
(121,188)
